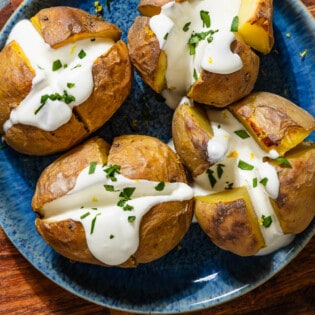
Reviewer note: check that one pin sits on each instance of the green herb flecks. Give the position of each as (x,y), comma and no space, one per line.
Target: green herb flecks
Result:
(56,65)
(195,38)
(131,218)
(205,17)
(160,186)
(186,27)
(125,196)
(82,54)
(245,166)
(234,25)
(228,186)
(109,188)
(220,170)
(65,97)
(92,167)
(93,223)
(165,36)
(264,181)
(70,85)
(242,134)
(283,161)
(83,216)
(266,221)
(211,177)
(112,171)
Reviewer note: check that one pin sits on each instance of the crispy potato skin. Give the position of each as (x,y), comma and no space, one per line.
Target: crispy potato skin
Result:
(274,121)
(62,25)
(221,90)
(191,132)
(145,54)
(230,221)
(112,76)
(169,220)
(151,7)
(15,82)
(295,205)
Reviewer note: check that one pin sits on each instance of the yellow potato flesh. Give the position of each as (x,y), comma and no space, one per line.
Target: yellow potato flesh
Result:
(255,24)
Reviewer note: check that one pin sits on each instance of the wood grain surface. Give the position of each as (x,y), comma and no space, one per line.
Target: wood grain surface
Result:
(24,290)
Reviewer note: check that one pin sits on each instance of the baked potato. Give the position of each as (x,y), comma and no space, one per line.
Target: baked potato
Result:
(213,64)
(136,189)
(250,199)
(62,81)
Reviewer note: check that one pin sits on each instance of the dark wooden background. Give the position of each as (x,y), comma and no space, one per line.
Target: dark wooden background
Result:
(24,290)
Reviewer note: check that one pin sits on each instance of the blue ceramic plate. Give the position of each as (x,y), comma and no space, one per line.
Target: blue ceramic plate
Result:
(199,275)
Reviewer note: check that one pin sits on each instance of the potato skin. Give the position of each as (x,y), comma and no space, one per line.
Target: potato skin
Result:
(229,220)
(145,54)
(295,205)
(191,132)
(112,76)
(275,122)
(221,90)
(62,25)
(169,220)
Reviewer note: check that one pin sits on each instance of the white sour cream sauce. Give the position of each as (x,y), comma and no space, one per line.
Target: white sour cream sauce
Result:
(215,56)
(114,238)
(74,71)
(226,149)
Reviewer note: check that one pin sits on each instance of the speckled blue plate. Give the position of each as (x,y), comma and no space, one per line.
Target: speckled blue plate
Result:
(199,275)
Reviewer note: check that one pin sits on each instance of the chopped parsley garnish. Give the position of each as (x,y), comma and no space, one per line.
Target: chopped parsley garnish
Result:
(242,134)
(55,97)
(109,188)
(205,17)
(70,85)
(220,170)
(77,66)
(195,75)
(255,182)
(111,236)
(266,221)
(56,65)
(186,27)
(92,167)
(284,161)
(211,178)
(228,185)
(131,218)
(234,25)
(264,181)
(125,196)
(165,36)
(82,54)
(112,171)
(245,166)
(195,38)
(83,216)
(160,186)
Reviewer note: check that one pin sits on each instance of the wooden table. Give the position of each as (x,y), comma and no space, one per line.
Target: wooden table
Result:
(24,290)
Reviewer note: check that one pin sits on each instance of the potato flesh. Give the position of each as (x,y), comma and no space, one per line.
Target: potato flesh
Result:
(275,122)
(229,219)
(255,24)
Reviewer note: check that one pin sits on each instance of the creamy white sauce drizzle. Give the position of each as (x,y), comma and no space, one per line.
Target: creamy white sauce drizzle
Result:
(228,150)
(115,235)
(75,71)
(216,56)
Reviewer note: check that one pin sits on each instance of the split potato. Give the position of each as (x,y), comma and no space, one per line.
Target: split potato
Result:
(112,75)
(255,24)
(230,214)
(139,158)
(152,57)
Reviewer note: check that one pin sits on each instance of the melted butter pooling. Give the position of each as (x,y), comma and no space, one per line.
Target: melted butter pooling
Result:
(174,27)
(74,77)
(259,177)
(112,233)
